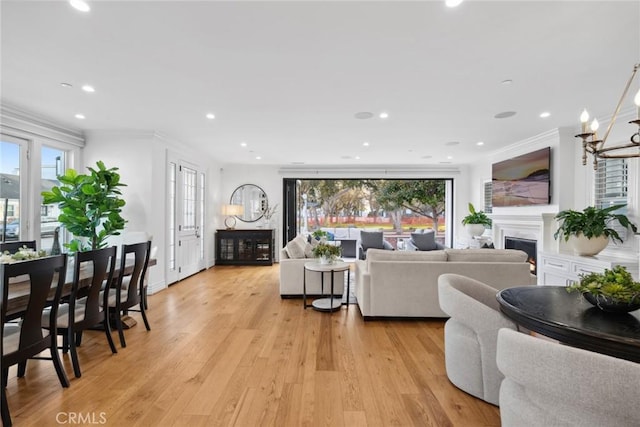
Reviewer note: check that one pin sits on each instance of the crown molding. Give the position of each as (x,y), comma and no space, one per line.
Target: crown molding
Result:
(18,120)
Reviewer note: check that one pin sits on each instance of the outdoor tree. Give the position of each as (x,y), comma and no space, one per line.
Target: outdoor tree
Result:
(423,197)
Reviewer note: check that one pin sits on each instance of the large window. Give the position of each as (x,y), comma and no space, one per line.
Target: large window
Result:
(395,206)
(12,167)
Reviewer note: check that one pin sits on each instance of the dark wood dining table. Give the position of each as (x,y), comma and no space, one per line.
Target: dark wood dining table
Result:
(19,291)
(570,319)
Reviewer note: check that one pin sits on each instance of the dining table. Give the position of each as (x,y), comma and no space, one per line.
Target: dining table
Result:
(18,295)
(567,317)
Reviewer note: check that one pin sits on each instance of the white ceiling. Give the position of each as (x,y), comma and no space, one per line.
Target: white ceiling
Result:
(288,77)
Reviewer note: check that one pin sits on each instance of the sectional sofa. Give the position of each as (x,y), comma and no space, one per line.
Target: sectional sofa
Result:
(405,283)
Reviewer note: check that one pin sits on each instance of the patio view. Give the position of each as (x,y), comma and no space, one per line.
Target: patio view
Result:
(397,207)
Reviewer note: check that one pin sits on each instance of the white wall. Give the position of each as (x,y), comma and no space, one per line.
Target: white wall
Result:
(141,157)
(270,179)
(572,183)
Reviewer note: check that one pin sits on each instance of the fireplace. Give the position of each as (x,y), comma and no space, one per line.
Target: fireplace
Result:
(526,245)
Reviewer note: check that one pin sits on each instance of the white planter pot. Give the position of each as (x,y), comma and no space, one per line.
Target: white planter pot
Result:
(587,247)
(474,229)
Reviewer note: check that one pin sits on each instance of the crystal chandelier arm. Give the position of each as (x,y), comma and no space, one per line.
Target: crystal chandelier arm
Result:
(624,94)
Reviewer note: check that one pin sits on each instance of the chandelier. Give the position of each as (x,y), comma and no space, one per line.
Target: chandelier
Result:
(596,147)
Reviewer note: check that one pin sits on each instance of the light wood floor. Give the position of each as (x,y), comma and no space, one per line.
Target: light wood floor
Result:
(224,349)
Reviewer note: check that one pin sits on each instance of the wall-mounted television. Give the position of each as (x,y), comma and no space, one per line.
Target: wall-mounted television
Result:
(522,181)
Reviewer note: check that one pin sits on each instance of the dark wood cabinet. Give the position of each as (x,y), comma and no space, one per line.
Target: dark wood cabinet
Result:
(245,247)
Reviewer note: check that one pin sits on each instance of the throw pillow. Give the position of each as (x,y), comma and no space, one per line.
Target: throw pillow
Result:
(424,241)
(371,239)
(296,247)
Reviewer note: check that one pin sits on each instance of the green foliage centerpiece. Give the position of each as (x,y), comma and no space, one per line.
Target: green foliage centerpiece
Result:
(327,253)
(90,206)
(613,291)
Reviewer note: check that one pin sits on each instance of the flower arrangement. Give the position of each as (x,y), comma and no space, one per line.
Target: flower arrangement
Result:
(615,286)
(22,254)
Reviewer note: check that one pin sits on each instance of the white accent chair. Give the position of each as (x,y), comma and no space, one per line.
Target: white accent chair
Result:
(552,384)
(470,335)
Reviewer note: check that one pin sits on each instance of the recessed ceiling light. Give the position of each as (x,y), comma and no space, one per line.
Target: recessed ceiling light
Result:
(449,157)
(363,115)
(505,114)
(366,144)
(211,116)
(243,144)
(80,116)
(258,158)
(452,143)
(507,82)
(88,88)
(357,157)
(480,143)
(80,5)
(545,114)
(66,84)
(453,3)
(383,115)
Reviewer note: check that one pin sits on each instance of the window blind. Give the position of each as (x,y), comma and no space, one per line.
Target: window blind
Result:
(488,205)
(610,182)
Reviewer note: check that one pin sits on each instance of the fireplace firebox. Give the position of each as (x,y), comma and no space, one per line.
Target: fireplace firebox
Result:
(526,245)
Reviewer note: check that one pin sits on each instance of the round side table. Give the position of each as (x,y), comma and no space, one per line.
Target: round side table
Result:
(331,303)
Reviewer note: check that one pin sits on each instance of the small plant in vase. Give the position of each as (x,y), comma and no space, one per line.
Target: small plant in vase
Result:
(327,253)
(476,221)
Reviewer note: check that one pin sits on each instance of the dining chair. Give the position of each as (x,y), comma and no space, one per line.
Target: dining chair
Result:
(12,247)
(27,339)
(86,306)
(547,383)
(470,335)
(130,290)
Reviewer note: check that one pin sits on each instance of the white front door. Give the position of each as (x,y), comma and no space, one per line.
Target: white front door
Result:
(186,251)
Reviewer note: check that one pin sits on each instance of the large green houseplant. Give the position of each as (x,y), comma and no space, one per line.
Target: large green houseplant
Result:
(90,206)
(591,228)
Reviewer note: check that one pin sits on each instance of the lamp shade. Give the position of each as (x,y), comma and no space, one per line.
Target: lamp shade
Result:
(232,210)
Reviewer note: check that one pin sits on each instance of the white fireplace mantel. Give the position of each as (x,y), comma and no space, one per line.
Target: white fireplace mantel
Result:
(538,227)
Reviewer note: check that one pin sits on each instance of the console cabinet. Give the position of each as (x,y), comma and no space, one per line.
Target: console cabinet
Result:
(565,269)
(245,247)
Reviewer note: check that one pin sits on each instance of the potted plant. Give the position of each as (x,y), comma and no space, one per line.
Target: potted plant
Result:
(588,232)
(327,253)
(320,235)
(614,290)
(476,221)
(90,206)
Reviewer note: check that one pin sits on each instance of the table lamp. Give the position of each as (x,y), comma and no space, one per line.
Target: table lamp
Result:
(231,211)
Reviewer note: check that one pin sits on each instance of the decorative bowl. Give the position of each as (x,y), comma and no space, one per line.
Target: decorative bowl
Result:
(611,305)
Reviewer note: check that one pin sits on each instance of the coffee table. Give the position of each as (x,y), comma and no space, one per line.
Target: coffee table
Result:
(325,304)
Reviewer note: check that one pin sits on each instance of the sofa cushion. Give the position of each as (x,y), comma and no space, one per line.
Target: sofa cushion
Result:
(296,247)
(483,255)
(371,240)
(414,256)
(424,241)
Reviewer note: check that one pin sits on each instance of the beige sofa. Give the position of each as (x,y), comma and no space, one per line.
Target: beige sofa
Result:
(405,283)
(292,278)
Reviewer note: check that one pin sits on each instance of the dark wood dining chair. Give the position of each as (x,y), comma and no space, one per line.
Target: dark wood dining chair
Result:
(13,247)
(85,307)
(26,339)
(130,291)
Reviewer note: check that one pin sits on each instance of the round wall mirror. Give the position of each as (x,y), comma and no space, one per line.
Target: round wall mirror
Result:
(253,199)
